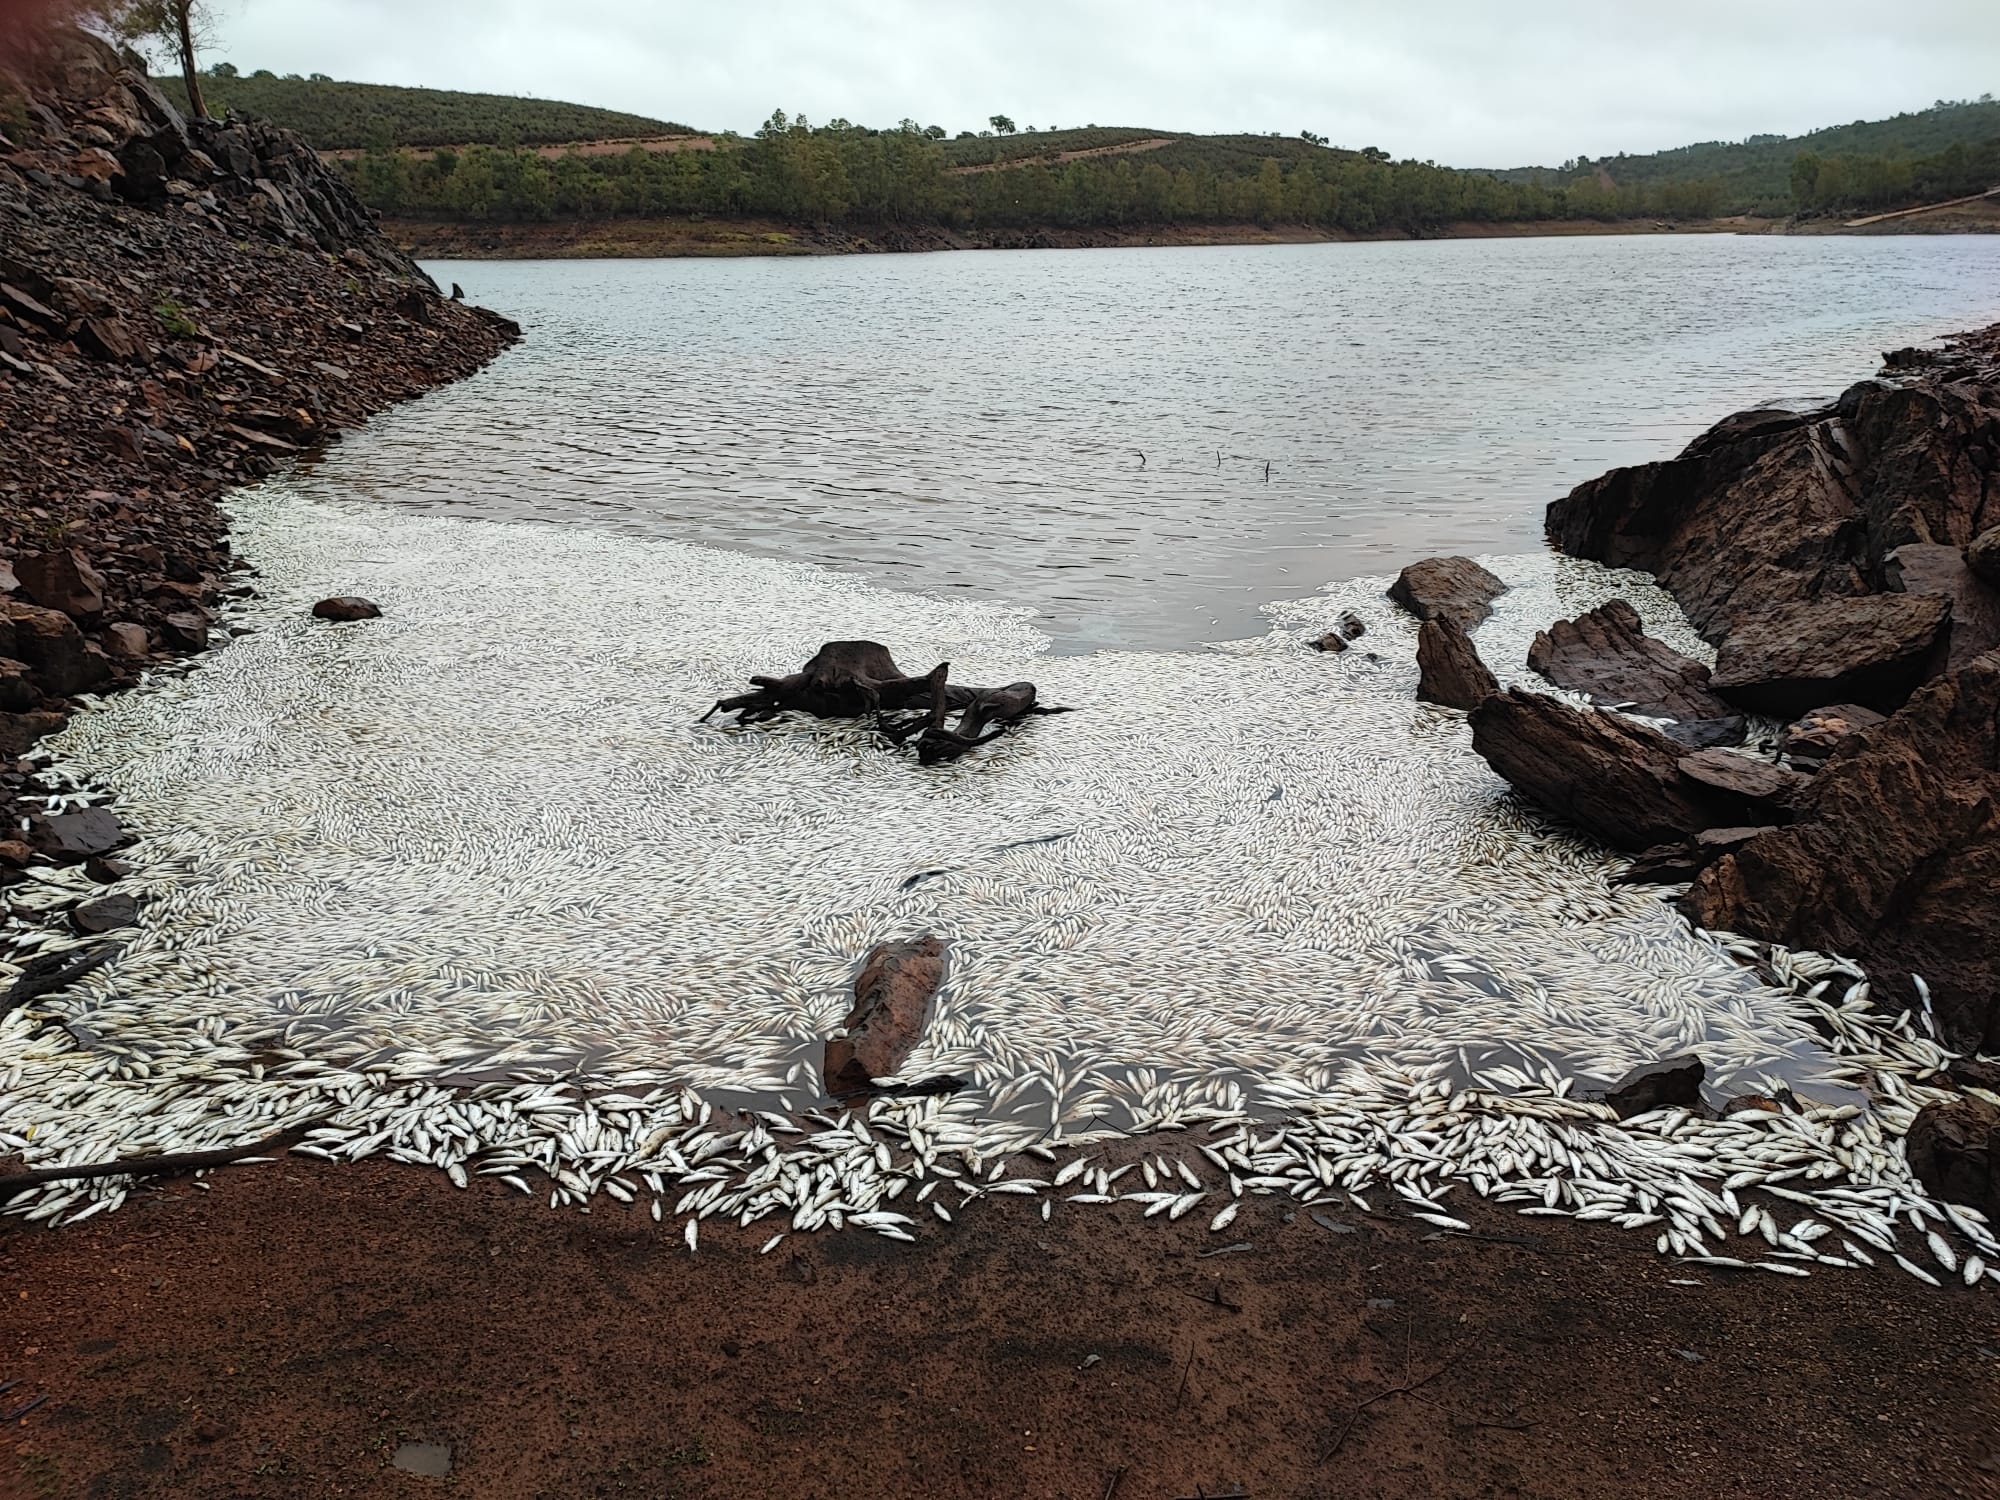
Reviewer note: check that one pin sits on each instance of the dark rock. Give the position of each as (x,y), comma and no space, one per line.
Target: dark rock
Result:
(1608,655)
(1332,641)
(1456,586)
(128,641)
(1926,568)
(346,607)
(16,854)
(1352,626)
(185,630)
(62,581)
(1838,729)
(49,642)
(106,870)
(105,914)
(1954,1149)
(892,1001)
(1798,656)
(1704,734)
(1673,864)
(1745,776)
(18,693)
(1674,1082)
(1894,859)
(20,731)
(1983,555)
(77,835)
(1612,777)
(1449,670)
(1775,508)
(112,339)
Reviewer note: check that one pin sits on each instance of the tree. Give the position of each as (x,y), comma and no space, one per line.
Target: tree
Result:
(182,25)
(1001,124)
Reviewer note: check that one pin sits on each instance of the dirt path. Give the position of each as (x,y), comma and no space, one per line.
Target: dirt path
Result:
(1122,148)
(1928,208)
(616,147)
(285,1333)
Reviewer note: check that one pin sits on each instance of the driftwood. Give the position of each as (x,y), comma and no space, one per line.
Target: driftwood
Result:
(155,1166)
(851,679)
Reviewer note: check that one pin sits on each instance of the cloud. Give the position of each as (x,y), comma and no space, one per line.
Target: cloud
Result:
(1464,82)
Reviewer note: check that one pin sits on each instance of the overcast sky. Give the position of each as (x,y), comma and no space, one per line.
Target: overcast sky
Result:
(1464,82)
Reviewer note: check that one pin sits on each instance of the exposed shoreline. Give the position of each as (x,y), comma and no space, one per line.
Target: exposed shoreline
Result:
(674,238)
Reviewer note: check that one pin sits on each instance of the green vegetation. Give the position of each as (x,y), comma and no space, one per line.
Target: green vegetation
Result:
(173,317)
(843,173)
(1843,184)
(1755,175)
(345,116)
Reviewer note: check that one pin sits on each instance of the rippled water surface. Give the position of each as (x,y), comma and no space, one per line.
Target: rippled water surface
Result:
(1086,433)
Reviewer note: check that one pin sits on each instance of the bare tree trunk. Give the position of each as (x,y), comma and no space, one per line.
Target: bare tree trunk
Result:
(188,70)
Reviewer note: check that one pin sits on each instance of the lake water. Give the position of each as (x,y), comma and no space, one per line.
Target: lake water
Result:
(1086,433)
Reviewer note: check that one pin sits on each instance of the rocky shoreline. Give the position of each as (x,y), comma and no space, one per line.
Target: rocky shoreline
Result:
(1845,564)
(184,306)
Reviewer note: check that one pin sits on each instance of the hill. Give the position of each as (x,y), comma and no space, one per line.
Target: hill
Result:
(1755,175)
(336,116)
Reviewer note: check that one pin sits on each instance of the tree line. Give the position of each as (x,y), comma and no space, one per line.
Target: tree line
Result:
(1886,180)
(847,174)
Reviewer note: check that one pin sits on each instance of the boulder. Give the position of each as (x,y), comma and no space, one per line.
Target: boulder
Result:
(77,835)
(18,731)
(1954,1149)
(1672,864)
(1353,626)
(1333,642)
(62,581)
(1611,776)
(892,1002)
(1927,568)
(1449,670)
(1893,859)
(18,693)
(1837,729)
(1797,656)
(128,641)
(49,642)
(347,607)
(1456,586)
(1608,655)
(1983,555)
(185,630)
(1672,1082)
(112,339)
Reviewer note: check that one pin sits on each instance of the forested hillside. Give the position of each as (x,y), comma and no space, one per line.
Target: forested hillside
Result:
(1756,175)
(840,173)
(336,116)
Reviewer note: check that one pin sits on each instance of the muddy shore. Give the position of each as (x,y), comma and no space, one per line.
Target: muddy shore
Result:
(288,1330)
(643,238)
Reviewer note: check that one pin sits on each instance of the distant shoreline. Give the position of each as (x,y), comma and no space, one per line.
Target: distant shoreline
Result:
(674,238)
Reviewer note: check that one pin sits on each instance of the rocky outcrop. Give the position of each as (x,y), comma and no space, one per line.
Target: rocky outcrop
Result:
(1871,650)
(1624,782)
(1777,510)
(1449,670)
(1455,586)
(1894,859)
(347,608)
(1983,555)
(183,306)
(892,1001)
(1954,1151)
(1607,655)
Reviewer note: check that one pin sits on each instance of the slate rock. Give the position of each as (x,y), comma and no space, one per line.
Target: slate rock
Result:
(1928,568)
(1837,729)
(1793,657)
(1449,670)
(1607,655)
(105,914)
(77,835)
(892,1001)
(1983,555)
(1456,586)
(1675,1081)
(1953,1147)
(347,607)
(62,581)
